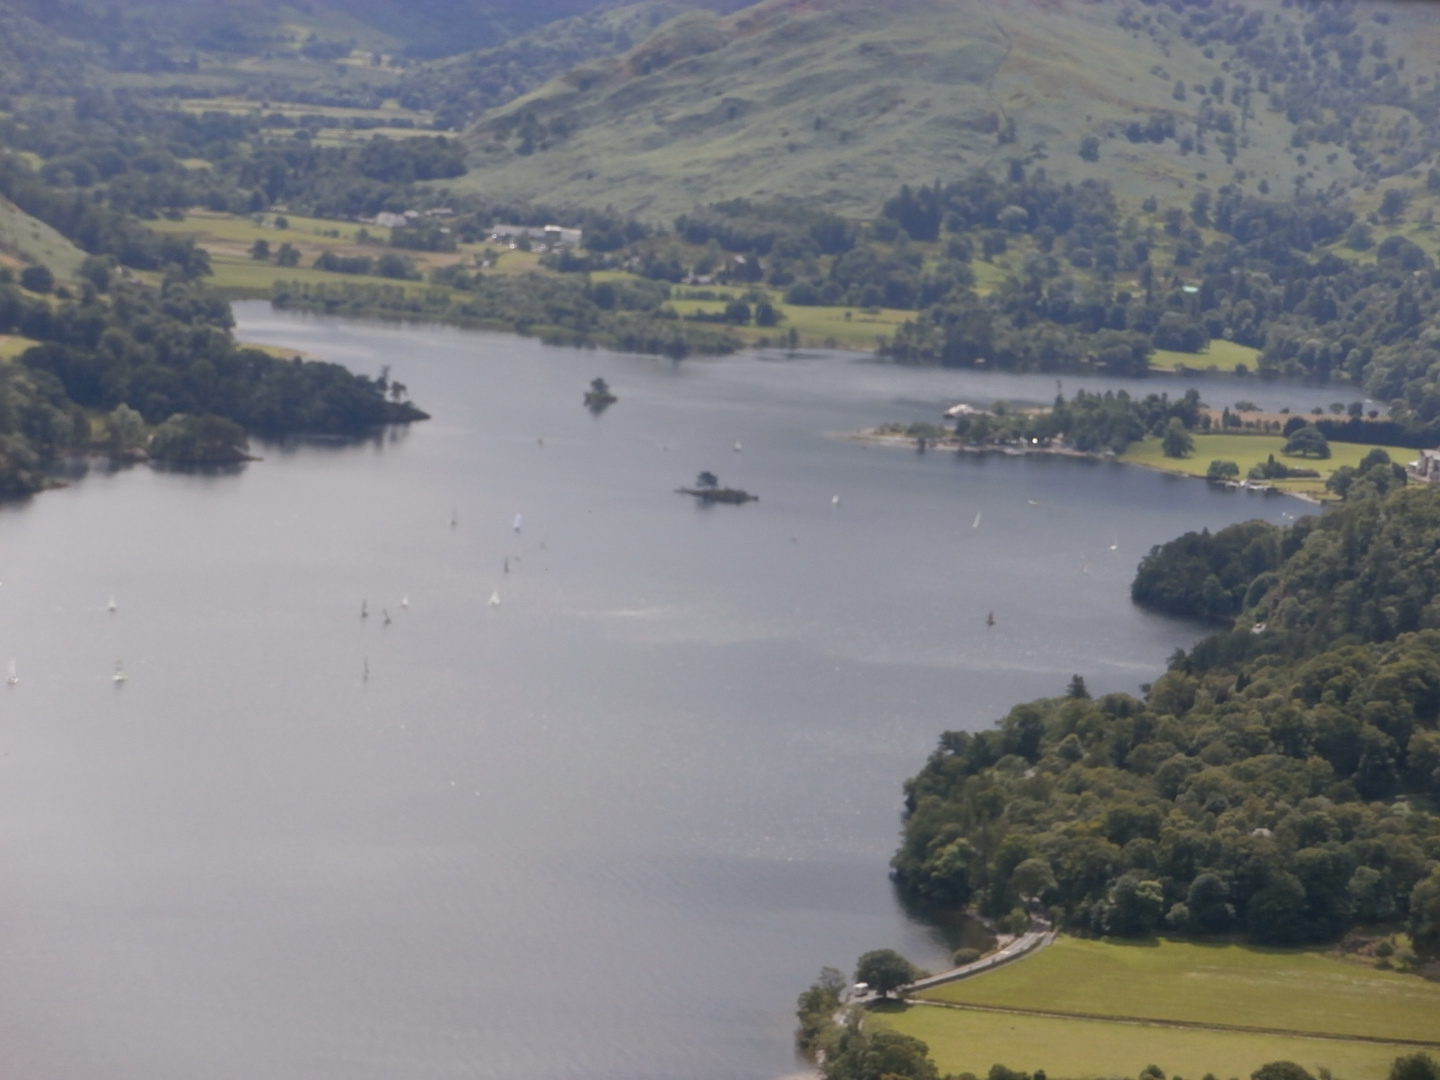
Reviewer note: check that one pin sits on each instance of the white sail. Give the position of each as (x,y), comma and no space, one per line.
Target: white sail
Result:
(119,675)
(13,677)
(518,522)
(495,598)
(112,605)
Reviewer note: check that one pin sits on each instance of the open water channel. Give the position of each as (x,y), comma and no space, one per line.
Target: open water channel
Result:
(607,828)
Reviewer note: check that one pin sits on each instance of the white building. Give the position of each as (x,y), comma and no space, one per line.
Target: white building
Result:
(555,235)
(1426,467)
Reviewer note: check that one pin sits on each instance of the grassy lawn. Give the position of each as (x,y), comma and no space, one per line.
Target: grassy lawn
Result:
(1247,450)
(1222,355)
(1291,989)
(973,1041)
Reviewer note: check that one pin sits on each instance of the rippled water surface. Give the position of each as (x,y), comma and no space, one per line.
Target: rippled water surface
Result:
(607,828)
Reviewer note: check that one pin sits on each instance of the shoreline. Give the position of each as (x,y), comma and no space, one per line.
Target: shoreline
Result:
(873,437)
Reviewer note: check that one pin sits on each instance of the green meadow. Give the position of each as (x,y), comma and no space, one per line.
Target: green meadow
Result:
(1239,985)
(964,1041)
(1248,450)
(1101,1008)
(1219,354)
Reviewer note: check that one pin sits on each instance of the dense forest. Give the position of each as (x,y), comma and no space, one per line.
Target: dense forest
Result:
(123,357)
(1278,780)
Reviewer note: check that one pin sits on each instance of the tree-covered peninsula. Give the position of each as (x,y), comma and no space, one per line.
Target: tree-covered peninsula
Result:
(1278,781)
(123,358)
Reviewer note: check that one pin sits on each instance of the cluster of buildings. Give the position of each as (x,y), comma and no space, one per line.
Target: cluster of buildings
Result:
(554,235)
(1426,467)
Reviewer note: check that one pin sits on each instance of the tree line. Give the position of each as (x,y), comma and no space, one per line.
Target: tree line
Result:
(1272,783)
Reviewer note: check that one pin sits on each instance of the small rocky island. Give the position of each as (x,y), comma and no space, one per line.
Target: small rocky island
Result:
(599,397)
(707,489)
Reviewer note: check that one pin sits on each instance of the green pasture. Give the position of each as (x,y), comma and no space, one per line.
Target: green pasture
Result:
(211,228)
(965,1041)
(842,327)
(1221,355)
(248,278)
(1210,983)
(1248,450)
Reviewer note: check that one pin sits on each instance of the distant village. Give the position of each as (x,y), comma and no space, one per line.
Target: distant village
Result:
(543,237)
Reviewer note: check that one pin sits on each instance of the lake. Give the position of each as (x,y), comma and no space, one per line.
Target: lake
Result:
(609,827)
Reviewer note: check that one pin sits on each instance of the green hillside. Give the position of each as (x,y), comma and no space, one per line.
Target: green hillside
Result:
(844,100)
(26,240)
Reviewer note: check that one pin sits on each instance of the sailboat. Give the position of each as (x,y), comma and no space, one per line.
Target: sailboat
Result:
(737,446)
(119,675)
(13,677)
(365,671)
(405,600)
(364,610)
(454,518)
(112,606)
(834,500)
(385,612)
(976,523)
(518,522)
(495,598)
(990,619)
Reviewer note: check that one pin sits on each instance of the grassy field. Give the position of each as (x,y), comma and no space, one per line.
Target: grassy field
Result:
(33,241)
(1221,355)
(1143,985)
(1247,450)
(838,327)
(962,1041)
(1244,986)
(212,229)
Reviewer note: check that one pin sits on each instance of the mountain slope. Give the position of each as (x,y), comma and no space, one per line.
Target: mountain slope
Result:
(839,100)
(842,101)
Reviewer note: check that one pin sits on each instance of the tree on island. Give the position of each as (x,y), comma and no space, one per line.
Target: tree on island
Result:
(707,480)
(884,970)
(1308,441)
(1176,442)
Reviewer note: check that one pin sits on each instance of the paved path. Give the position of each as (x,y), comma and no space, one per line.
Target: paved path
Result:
(1024,945)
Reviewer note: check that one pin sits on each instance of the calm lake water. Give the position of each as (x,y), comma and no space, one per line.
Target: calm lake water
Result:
(608,828)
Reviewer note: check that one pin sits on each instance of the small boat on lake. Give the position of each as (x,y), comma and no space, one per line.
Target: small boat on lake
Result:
(112,606)
(13,677)
(495,598)
(119,676)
